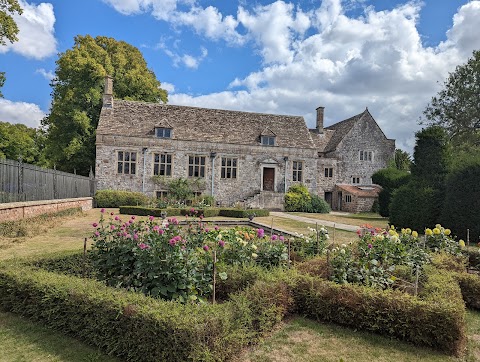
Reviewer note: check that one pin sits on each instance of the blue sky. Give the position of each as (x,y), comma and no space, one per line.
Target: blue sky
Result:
(263,56)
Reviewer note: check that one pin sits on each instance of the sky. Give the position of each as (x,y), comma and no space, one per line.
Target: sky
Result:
(278,57)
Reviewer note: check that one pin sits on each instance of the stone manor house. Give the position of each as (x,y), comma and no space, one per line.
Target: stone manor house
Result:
(244,157)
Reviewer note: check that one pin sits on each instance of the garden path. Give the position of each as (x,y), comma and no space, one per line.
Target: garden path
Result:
(315,221)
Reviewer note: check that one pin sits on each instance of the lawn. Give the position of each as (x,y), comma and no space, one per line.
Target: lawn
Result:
(297,339)
(351,219)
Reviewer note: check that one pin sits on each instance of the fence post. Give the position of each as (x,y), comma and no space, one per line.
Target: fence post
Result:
(20,196)
(55,186)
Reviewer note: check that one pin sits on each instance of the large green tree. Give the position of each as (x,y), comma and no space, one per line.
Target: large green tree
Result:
(456,108)
(8,27)
(77,96)
(18,141)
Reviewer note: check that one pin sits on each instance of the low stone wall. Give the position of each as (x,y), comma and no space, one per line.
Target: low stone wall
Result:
(23,210)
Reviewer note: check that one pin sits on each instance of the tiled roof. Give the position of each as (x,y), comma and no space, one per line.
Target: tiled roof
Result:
(321,140)
(139,119)
(360,191)
(341,129)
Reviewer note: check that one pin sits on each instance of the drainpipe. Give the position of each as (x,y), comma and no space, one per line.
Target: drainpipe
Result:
(285,175)
(212,157)
(144,151)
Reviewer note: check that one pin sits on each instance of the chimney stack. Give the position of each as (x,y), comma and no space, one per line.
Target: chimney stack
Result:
(319,127)
(108,92)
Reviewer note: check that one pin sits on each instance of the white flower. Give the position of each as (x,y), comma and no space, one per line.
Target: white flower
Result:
(254,256)
(254,247)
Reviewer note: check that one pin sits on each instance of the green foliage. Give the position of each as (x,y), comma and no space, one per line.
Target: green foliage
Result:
(77,96)
(390,179)
(457,106)
(206,212)
(18,141)
(415,205)
(393,313)
(470,287)
(117,198)
(402,160)
(462,201)
(298,198)
(243,213)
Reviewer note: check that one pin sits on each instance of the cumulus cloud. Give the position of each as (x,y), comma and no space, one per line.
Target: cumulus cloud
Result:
(169,87)
(20,112)
(187,60)
(36,37)
(322,57)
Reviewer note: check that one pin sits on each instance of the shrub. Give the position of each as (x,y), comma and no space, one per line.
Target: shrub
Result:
(206,212)
(318,205)
(470,287)
(297,198)
(390,179)
(117,198)
(244,213)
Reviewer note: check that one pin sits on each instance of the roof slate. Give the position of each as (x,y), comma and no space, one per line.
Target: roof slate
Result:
(341,130)
(138,119)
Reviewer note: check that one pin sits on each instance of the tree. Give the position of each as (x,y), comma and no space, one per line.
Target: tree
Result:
(77,96)
(456,108)
(390,179)
(402,160)
(18,141)
(8,27)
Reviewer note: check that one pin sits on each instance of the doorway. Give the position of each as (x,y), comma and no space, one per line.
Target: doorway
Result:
(268,179)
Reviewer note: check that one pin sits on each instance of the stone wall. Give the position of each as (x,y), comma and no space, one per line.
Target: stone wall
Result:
(23,210)
(252,161)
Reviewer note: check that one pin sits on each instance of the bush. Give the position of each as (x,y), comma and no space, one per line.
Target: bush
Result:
(206,212)
(390,179)
(462,197)
(470,287)
(117,198)
(297,198)
(423,322)
(244,213)
(318,205)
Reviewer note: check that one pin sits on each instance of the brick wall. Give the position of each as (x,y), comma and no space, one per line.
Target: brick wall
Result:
(22,210)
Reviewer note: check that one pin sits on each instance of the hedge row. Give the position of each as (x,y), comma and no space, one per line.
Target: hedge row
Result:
(438,323)
(116,198)
(135,327)
(208,212)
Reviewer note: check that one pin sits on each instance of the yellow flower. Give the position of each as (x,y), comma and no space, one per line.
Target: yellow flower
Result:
(428,232)
(438,226)
(447,232)
(414,234)
(461,243)
(392,227)
(254,256)
(409,231)
(392,232)
(436,231)
(254,247)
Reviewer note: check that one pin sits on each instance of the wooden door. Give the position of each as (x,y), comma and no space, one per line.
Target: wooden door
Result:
(268,179)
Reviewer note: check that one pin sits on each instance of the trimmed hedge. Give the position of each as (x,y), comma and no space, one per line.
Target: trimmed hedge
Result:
(470,287)
(116,198)
(134,326)
(438,321)
(208,212)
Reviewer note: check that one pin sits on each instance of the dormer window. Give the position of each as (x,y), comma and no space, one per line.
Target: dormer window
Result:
(268,140)
(162,132)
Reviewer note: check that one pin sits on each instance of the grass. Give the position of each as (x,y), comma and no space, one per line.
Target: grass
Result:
(297,339)
(24,341)
(351,219)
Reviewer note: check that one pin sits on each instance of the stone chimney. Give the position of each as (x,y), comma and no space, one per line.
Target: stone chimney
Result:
(319,127)
(108,92)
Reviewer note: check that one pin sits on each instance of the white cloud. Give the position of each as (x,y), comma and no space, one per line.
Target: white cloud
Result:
(20,112)
(376,61)
(187,60)
(36,37)
(48,75)
(169,87)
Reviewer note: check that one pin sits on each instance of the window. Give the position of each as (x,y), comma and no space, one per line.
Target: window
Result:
(162,194)
(229,167)
(328,171)
(268,140)
(366,155)
(348,198)
(298,171)
(162,164)
(355,180)
(127,162)
(163,132)
(196,166)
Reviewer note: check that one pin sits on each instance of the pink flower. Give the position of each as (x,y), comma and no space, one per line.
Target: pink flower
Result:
(216,228)
(94,224)
(206,230)
(111,214)
(200,217)
(119,234)
(281,237)
(172,242)
(130,221)
(135,236)
(133,217)
(260,233)
(143,246)
(151,218)
(370,246)
(97,233)
(117,218)
(161,231)
(221,243)
(102,211)
(128,236)
(206,248)
(274,237)
(112,227)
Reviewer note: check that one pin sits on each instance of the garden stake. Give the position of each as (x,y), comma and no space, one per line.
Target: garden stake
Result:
(416,283)
(271,229)
(214,272)
(468,237)
(84,256)
(289,260)
(334,232)
(316,229)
